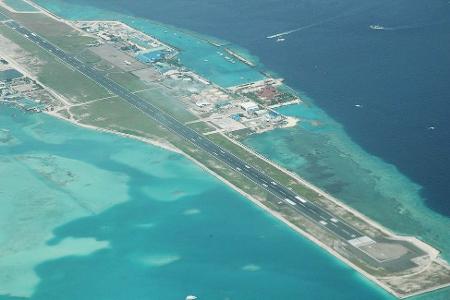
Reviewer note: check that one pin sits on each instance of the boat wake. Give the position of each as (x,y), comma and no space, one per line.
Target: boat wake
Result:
(284,33)
(281,34)
(404,27)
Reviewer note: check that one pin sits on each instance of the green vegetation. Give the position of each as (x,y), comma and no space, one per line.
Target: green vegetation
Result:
(117,114)
(240,134)
(88,57)
(201,127)
(128,81)
(106,67)
(58,33)
(55,74)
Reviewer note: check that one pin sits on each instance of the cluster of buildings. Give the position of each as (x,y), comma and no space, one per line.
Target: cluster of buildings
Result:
(269,92)
(230,109)
(143,47)
(21,91)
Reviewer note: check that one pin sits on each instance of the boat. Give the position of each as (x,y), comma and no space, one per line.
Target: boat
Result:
(280,40)
(376,27)
(191,297)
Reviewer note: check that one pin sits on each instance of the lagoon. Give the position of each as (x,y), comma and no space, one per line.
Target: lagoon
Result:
(89,215)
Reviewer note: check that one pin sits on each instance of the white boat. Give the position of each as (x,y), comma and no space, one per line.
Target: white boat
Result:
(191,297)
(376,27)
(280,40)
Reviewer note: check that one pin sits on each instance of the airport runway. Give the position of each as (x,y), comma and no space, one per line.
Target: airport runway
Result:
(312,211)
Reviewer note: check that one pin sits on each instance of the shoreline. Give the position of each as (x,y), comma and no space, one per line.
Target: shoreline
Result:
(160,144)
(239,57)
(330,197)
(271,212)
(254,200)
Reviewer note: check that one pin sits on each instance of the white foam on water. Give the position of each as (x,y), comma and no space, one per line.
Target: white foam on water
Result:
(251,268)
(193,211)
(159,260)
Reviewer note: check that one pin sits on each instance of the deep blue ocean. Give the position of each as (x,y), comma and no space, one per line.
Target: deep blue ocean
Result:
(400,75)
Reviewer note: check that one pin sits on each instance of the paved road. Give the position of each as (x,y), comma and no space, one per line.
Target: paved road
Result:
(314,212)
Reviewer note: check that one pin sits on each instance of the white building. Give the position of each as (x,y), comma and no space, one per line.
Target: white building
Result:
(202,103)
(249,106)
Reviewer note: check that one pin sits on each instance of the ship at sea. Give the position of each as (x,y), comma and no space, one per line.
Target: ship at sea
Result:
(376,27)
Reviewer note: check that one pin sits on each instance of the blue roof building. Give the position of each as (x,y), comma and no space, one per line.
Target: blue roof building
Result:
(151,57)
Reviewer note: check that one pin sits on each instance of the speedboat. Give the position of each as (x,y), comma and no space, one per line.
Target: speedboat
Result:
(376,27)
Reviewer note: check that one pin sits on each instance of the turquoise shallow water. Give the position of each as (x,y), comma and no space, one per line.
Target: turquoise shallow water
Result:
(88,215)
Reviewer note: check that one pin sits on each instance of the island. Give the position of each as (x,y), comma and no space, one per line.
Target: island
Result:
(110,76)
